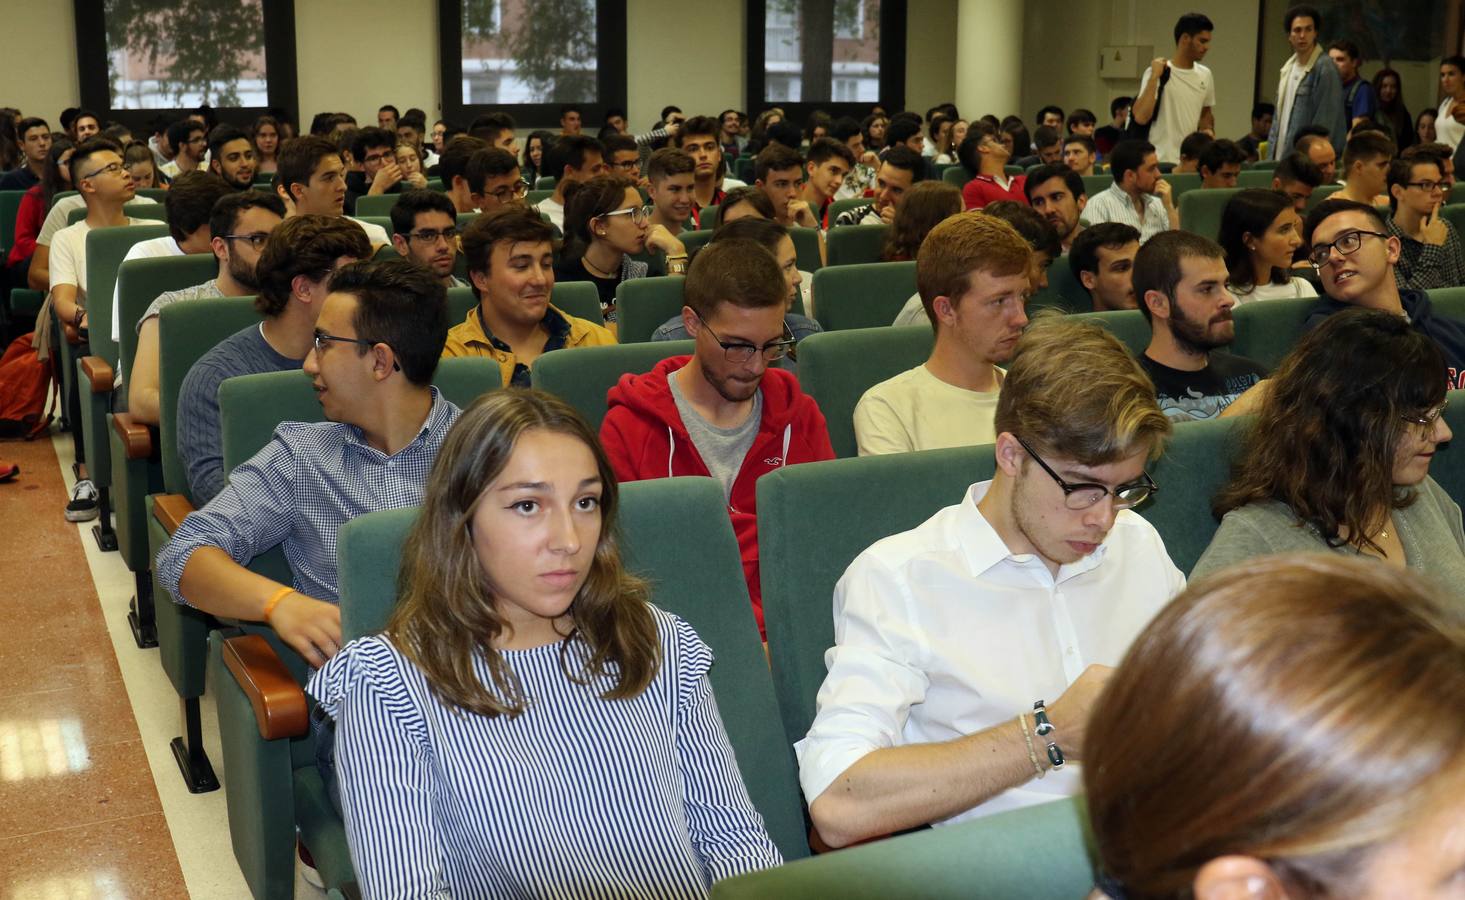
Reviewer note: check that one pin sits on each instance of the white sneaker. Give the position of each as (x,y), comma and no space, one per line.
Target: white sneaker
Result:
(83,505)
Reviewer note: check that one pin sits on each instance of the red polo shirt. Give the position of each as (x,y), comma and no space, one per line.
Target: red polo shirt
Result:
(984,189)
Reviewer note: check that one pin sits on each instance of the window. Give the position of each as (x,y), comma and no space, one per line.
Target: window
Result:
(532,57)
(841,56)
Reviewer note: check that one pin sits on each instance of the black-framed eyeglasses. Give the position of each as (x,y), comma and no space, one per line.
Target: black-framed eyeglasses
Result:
(510,192)
(628,165)
(109,169)
(1082,495)
(378,157)
(1429,187)
(432,236)
(1428,418)
(1347,243)
(740,352)
(321,338)
(257,239)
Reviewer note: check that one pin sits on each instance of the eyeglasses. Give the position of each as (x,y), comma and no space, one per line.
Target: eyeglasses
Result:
(740,352)
(1429,187)
(375,157)
(110,169)
(1084,494)
(1429,418)
(637,214)
(1347,243)
(432,236)
(320,339)
(257,240)
(628,165)
(510,192)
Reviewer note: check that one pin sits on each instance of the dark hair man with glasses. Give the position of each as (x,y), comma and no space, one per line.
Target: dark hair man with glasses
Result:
(723,411)
(1030,588)
(494,179)
(375,150)
(1429,247)
(1356,257)
(189,140)
(372,355)
(425,228)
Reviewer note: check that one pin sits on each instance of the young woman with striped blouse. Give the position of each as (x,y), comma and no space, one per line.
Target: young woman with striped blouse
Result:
(528,725)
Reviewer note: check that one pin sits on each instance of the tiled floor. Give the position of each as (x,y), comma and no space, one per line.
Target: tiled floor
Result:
(91,803)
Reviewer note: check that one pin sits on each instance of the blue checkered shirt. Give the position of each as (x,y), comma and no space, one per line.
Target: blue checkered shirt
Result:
(299,490)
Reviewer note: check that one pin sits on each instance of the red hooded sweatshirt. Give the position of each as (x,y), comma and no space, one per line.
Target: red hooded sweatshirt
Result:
(644,436)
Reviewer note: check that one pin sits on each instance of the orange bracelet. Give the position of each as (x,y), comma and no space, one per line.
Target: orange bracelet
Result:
(275,599)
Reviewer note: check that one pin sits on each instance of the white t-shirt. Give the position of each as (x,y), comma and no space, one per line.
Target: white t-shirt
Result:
(1186,93)
(1288,94)
(554,211)
(913,313)
(68,256)
(156,248)
(1446,129)
(1293,289)
(375,234)
(915,410)
(61,210)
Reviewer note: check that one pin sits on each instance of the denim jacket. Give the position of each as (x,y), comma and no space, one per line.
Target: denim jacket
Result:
(1319,101)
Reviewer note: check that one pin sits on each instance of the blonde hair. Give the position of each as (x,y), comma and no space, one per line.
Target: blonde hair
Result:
(963,244)
(1074,390)
(1301,710)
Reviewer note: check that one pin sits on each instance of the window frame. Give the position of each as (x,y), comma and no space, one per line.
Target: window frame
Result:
(892,67)
(610,73)
(96,94)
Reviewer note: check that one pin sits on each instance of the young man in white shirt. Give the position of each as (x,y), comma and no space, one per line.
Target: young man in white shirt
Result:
(973,278)
(1139,196)
(574,157)
(311,179)
(1189,98)
(1028,590)
(191,141)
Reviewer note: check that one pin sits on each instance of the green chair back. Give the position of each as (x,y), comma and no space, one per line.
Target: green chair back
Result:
(1267,330)
(1457,194)
(62,195)
(465,219)
(743,169)
(1129,325)
(1013,170)
(841,206)
(1449,302)
(856,244)
(642,304)
(105,248)
(1064,291)
(707,215)
(1200,211)
(152,211)
(579,299)
(813,520)
(1265,164)
(1321,193)
(806,243)
(1093,185)
(1254,178)
(9,209)
(862,296)
(695,240)
(376,204)
(1037,853)
(534,197)
(460,300)
(140,281)
(1454,213)
(1195,466)
(837,367)
(958,175)
(384,221)
(581,376)
(1182,183)
(545,183)
(1449,464)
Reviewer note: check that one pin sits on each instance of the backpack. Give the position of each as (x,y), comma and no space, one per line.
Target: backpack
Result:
(25,383)
(1133,130)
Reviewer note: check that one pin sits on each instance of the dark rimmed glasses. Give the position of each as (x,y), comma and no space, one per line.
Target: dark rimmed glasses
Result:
(1082,495)
(740,352)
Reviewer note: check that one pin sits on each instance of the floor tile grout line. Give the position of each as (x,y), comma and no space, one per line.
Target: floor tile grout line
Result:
(112,821)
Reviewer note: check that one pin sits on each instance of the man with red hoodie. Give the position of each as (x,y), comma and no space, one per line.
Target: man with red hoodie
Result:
(723,411)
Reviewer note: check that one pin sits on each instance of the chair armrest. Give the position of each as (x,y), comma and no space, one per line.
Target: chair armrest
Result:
(277,698)
(170,510)
(136,438)
(98,372)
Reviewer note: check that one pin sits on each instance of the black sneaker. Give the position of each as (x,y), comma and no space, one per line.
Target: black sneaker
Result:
(83,505)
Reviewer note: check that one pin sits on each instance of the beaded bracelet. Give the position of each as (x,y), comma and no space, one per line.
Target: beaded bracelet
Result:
(1027,736)
(1044,728)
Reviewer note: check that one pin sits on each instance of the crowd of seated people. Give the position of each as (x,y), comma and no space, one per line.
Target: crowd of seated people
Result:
(997,655)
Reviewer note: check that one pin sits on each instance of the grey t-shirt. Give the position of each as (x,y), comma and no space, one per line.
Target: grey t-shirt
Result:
(722,449)
(208,289)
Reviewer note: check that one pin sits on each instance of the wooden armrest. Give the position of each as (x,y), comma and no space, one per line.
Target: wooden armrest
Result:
(136,438)
(170,510)
(73,336)
(98,372)
(277,698)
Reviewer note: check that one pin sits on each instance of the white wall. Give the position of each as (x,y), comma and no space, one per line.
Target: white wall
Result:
(38,65)
(405,71)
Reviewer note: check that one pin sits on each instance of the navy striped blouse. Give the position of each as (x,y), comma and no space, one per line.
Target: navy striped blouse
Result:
(577,797)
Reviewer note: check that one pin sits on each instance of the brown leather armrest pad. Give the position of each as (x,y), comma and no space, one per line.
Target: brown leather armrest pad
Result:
(170,510)
(277,698)
(98,372)
(137,440)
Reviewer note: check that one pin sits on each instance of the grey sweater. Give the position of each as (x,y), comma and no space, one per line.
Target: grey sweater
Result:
(1430,530)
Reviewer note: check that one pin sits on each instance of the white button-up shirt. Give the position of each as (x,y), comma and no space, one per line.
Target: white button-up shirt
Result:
(941,632)
(1113,205)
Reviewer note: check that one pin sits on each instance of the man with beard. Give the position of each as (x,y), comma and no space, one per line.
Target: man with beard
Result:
(425,229)
(239,226)
(1057,194)
(1180,283)
(231,157)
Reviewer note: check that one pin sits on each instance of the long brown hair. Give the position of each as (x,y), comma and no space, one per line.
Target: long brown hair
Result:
(1325,437)
(446,616)
(927,205)
(1300,709)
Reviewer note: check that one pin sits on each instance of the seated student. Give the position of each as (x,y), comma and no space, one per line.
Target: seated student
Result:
(571,159)
(623,155)
(778,172)
(1297,177)
(240,225)
(1354,255)
(496,129)
(425,229)
(1201,778)
(744,202)
(973,278)
(1139,197)
(34,138)
(292,272)
(1261,126)
(1105,138)
(1057,194)
(1190,151)
(774,238)
(1081,122)
(828,163)
(510,254)
(698,137)
(189,138)
(983,153)
(1360,399)
(1430,255)
(899,171)
(722,411)
(409,160)
(1102,260)
(140,164)
(545,650)
(375,149)
(927,205)
(373,353)
(453,170)
(1180,283)
(1260,233)
(1320,152)
(670,174)
(921,719)
(311,181)
(494,179)
(1366,159)
(1440,152)
(1047,148)
(1080,153)
(231,156)
(605,223)
(1219,164)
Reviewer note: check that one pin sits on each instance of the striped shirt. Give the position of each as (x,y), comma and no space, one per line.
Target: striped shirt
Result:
(1113,205)
(577,797)
(306,483)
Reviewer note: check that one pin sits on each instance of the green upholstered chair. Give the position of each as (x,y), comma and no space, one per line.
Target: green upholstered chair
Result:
(1265,164)
(545,183)
(1449,463)
(376,204)
(1321,193)
(806,243)
(1266,331)
(695,240)
(743,169)
(1036,853)
(581,376)
(154,211)
(465,219)
(1454,213)
(840,206)
(534,197)
(1254,178)
(813,520)
(1448,302)
(643,304)
(1457,194)
(384,221)
(1195,466)
(705,216)
(460,300)
(958,175)
(1182,183)
(856,244)
(9,209)
(663,522)
(1129,325)
(1200,211)
(837,367)
(867,295)
(1064,292)
(1093,185)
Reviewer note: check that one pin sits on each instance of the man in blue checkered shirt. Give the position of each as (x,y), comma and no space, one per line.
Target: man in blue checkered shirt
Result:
(377,343)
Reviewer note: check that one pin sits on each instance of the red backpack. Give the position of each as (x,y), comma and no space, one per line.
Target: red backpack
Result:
(25,383)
